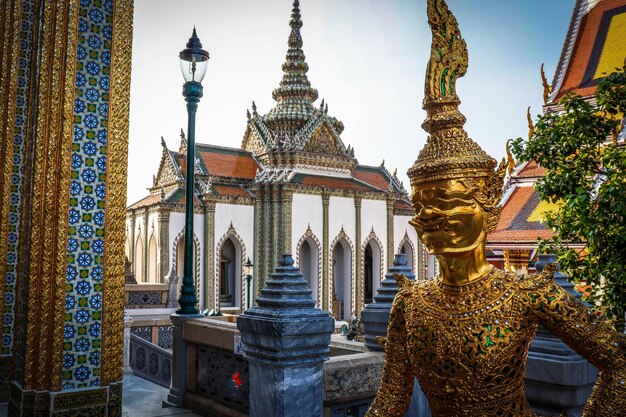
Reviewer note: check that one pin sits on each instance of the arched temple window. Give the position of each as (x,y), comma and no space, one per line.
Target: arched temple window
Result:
(230,273)
(309,265)
(152,261)
(342,269)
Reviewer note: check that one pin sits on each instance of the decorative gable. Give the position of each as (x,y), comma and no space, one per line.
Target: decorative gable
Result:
(322,141)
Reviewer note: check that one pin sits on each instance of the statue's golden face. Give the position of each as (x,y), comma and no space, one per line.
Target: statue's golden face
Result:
(447,219)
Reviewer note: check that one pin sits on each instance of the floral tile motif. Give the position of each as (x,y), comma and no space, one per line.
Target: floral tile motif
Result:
(17,175)
(85,245)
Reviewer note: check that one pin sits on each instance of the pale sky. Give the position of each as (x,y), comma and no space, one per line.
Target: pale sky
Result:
(367,59)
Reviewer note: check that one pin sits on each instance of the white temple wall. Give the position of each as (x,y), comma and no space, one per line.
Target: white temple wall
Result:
(374,216)
(306,211)
(341,213)
(242,219)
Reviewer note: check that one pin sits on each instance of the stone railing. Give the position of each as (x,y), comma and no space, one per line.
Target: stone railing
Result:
(146,295)
(150,362)
(152,325)
(218,377)
(218,374)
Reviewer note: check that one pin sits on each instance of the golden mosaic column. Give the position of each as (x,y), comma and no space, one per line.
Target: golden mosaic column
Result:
(64,104)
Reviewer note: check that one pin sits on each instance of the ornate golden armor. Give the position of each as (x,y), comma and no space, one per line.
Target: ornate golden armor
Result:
(466,333)
(467,345)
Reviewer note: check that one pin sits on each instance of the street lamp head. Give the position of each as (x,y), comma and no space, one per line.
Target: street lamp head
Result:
(193,59)
(248,267)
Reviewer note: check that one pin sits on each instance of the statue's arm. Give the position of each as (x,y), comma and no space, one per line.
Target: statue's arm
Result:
(394,394)
(593,338)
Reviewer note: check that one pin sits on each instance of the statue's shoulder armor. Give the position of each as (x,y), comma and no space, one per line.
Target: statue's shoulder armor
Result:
(541,280)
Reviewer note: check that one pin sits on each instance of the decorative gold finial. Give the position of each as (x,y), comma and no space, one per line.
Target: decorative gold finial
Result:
(531,126)
(510,161)
(547,88)
(448,54)
(449,153)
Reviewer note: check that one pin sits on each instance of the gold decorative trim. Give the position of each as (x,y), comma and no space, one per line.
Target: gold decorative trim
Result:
(113,288)
(50,194)
(209,253)
(8,91)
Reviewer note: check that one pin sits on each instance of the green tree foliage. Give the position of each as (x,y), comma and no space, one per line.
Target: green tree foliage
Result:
(586,174)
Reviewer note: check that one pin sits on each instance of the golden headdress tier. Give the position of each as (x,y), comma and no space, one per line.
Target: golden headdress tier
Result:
(449,152)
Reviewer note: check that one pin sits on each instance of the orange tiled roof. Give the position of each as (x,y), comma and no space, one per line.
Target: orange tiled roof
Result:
(519,220)
(532,169)
(146,201)
(228,162)
(599,47)
(372,176)
(231,190)
(332,182)
(222,162)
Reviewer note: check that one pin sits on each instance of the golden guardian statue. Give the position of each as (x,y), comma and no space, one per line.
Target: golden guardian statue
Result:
(465,334)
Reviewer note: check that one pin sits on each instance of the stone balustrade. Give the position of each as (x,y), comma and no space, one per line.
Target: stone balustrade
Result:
(146,295)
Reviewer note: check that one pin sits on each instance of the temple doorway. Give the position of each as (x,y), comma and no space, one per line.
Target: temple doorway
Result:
(309,266)
(342,272)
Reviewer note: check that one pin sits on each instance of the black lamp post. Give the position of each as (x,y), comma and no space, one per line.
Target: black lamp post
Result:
(248,271)
(193,64)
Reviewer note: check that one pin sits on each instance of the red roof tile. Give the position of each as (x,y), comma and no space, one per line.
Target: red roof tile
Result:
(532,170)
(591,43)
(373,177)
(146,201)
(223,162)
(231,190)
(517,222)
(230,166)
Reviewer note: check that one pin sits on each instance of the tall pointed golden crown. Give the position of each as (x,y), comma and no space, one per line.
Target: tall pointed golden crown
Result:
(449,152)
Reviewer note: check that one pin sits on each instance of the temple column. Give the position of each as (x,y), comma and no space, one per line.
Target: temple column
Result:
(146,247)
(390,249)
(65,84)
(359,282)
(131,258)
(18,47)
(287,222)
(209,255)
(164,244)
(326,256)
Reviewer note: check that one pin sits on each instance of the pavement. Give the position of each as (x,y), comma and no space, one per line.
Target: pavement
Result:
(140,398)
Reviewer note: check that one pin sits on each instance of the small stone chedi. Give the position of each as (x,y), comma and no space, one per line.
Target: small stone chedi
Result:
(465,334)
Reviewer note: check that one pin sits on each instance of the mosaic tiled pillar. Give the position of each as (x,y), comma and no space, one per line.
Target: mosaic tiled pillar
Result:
(390,249)
(164,245)
(16,47)
(360,280)
(64,103)
(326,274)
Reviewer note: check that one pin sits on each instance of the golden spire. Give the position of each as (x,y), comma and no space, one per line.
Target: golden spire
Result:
(547,88)
(449,153)
(531,125)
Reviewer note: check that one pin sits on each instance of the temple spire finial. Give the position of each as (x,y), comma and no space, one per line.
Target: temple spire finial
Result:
(295,87)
